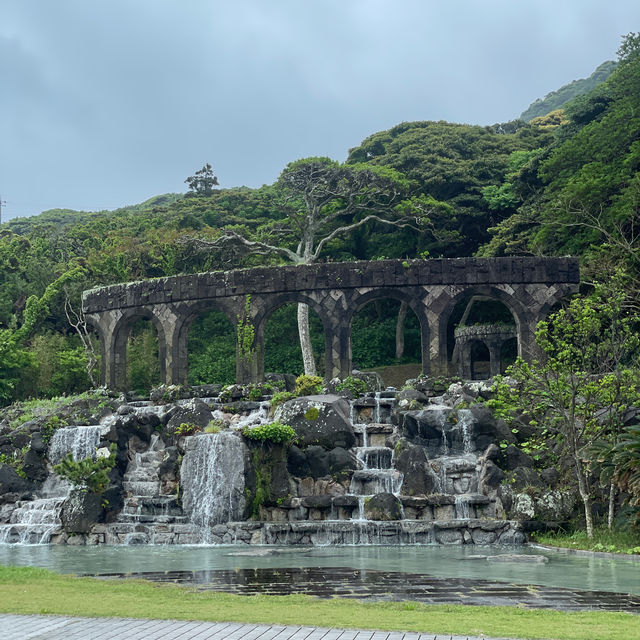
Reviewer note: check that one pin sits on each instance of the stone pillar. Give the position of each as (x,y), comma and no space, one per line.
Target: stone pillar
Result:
(494,357)
(464,359)
(249,353)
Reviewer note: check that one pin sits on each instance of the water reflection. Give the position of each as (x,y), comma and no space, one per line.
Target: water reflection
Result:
(562,570)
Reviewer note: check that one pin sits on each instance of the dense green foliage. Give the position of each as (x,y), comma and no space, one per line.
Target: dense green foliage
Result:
(557,99)
(566,183)
(275,432)
(578,392)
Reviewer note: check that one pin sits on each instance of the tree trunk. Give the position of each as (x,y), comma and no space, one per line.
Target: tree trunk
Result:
(584,494)
(402,314)
(305,340)
(612,505)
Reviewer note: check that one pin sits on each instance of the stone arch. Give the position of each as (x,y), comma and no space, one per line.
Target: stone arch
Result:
(522,317)
(120,336)
(553,303)
(267,305)
(413,298)
(187,314)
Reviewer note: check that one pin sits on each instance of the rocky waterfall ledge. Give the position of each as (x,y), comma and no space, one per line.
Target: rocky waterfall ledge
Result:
(408,467)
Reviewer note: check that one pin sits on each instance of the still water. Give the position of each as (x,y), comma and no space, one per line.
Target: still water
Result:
(620,575)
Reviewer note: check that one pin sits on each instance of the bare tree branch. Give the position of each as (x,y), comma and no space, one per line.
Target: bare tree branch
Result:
(79,323)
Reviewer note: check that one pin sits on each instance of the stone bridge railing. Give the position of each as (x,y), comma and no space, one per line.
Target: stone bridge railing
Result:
(529,287)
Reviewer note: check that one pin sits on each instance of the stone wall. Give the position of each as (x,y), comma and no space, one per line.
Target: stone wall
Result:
(529,287)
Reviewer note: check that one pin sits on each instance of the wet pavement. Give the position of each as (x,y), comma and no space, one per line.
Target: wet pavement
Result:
(17,627)
(360,584)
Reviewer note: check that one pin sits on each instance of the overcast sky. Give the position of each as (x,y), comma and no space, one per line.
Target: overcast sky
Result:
(104,104)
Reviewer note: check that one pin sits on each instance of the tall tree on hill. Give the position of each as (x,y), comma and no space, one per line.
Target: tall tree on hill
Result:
(321,201)
(203,182)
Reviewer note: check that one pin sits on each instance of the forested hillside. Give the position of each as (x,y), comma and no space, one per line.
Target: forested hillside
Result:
(557,99)
(566,183)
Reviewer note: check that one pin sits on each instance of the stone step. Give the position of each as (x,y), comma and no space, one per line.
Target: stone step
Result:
(151,519)
(142,489)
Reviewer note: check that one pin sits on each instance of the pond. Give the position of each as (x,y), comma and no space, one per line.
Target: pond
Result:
(592,573)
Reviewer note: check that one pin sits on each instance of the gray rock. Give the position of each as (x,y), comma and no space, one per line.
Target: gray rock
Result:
(383,506)
(490,477)
(319,420)
(487,429)
(419,478)
(11,482)
(518,557)
(515,458)
(341,462)
(317,461)
(372,379)
(80,511)
(194,411)
(287,380)
(34,467)
(551,476)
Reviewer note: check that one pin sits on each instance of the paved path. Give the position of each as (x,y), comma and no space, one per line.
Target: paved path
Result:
(15,627)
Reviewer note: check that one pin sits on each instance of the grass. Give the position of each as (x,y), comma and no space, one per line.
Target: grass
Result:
(396,375)
(603,540)
(38,591)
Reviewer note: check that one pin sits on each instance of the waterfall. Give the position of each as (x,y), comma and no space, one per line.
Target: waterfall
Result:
(212,480)
(82,442)
(462,507)
(34,521)
(465,420)
(376,410)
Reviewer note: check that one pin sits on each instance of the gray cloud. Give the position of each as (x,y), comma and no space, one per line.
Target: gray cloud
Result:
(106,104)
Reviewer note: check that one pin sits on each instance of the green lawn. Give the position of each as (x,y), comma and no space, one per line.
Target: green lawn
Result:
(29,590)
(603,540)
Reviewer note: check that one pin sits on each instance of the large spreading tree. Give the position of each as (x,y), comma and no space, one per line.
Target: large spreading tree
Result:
(323,200)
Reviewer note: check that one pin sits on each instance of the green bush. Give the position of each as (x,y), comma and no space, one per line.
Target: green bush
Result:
(280,397)
(187,429)
(275,432)
(50,427)
(308,385)
(215,426)
(354,385)
(92,475)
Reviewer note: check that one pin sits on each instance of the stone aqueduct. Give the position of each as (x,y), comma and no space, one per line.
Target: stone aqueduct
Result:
(529,287)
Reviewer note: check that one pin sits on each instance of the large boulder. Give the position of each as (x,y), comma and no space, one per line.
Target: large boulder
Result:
(317,462)
(194,411)
(372,379)
(35,467)
(11,484)
(267,481)
(81,510)
(411,460)
(383,506)
(319,420)
(487,429)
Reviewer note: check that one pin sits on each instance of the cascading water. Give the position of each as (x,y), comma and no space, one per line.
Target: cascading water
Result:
(212,480)
(465,422)
(81,442)
(34,521)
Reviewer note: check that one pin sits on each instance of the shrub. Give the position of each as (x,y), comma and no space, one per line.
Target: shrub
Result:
(92,475)
(280,397)
(215,426)
(354,385)
(50,427)
(187,429)
(275,432)
(308,385)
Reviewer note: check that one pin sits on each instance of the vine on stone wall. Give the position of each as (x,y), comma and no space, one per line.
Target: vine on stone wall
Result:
(246,332)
